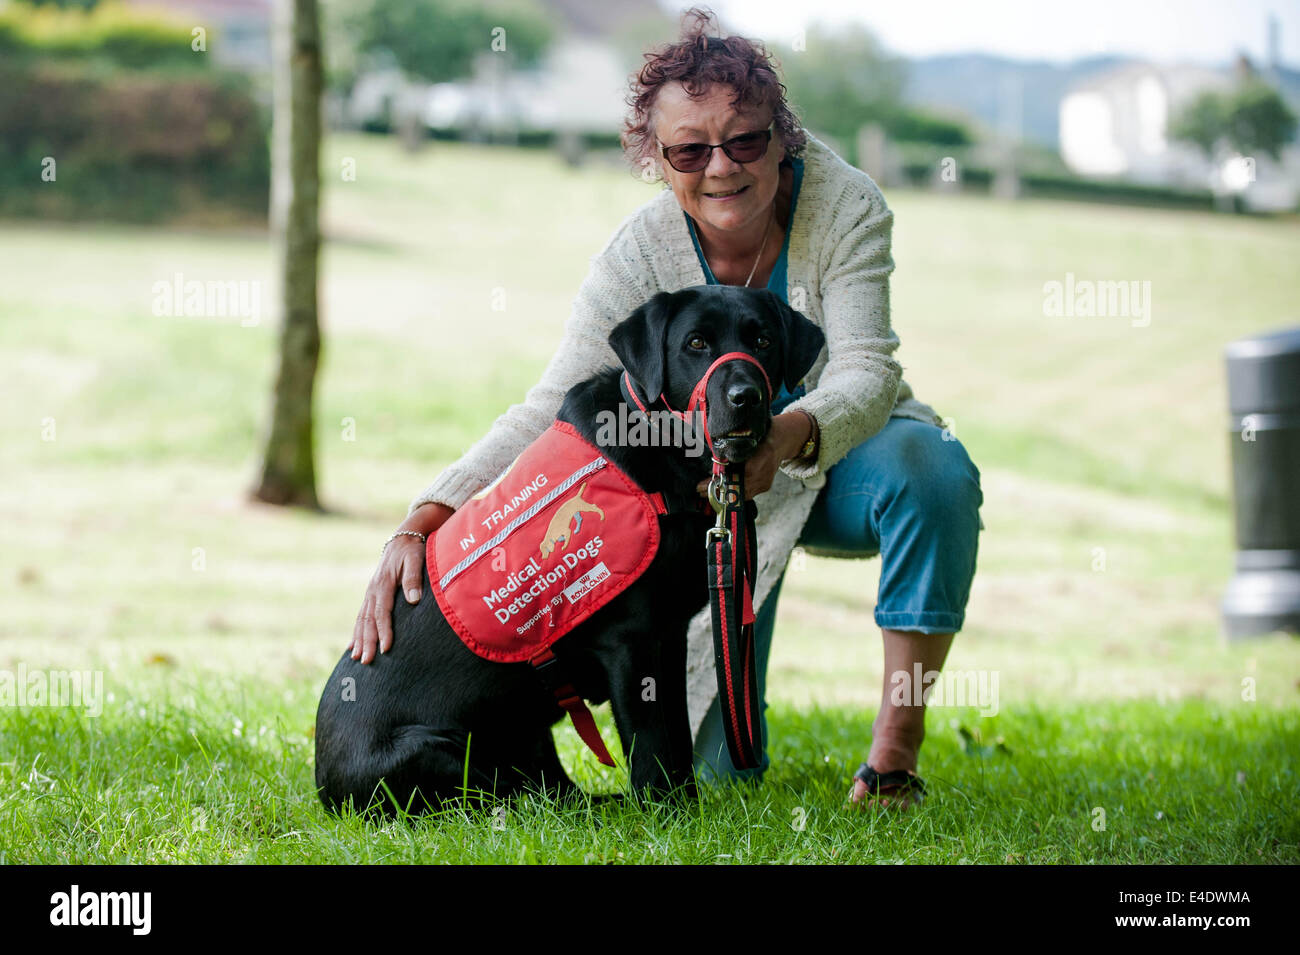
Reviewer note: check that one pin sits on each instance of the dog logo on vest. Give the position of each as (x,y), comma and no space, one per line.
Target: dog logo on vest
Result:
(566,522)
(534,575)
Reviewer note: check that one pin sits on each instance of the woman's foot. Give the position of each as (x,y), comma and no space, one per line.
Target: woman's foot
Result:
(898,789)
(896,739)
(899,728)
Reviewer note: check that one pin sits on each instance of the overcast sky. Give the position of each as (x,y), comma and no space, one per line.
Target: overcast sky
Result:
(1205,31)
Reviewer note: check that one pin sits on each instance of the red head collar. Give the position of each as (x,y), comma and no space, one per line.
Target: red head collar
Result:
(698,400)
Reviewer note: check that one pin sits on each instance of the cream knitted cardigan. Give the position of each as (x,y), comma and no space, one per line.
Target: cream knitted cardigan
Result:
(838,269)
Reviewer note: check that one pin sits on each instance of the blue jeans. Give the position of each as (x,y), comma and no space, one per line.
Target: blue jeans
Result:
(908,495)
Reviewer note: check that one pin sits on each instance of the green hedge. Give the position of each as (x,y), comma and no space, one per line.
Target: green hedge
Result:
(1043,175)
(139,147)
(138,123)
(115,36)
(1104,190)
(911,125)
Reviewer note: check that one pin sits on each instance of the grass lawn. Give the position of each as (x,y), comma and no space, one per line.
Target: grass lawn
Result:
(1126,729)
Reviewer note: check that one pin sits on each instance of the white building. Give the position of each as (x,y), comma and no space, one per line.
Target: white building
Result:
(1117,124)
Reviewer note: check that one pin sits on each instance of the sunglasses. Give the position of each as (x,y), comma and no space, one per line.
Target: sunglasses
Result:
(692,157)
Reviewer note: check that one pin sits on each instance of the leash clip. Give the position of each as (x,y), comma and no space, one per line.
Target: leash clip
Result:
(718,531)
(717,498)
(717,491)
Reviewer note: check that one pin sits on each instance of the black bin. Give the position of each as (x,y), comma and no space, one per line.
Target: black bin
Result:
(1264,404)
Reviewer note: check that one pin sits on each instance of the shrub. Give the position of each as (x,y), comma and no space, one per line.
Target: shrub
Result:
(132,146)
(113,35)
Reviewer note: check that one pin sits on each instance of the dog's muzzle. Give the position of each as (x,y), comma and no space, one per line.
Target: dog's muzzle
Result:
(698,401)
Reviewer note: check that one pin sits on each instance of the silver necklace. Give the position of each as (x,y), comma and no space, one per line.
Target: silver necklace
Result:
(762,246)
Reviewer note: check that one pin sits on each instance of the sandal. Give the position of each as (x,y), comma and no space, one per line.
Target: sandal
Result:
(898,782)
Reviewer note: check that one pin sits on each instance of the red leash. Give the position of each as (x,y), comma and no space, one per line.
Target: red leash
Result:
(733,549)
(732,544)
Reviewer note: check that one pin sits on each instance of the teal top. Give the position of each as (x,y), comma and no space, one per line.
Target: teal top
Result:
(777,282)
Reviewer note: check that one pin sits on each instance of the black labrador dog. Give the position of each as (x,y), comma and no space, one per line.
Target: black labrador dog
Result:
(436,722)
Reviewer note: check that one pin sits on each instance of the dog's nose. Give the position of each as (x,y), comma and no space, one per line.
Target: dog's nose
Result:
(743,395)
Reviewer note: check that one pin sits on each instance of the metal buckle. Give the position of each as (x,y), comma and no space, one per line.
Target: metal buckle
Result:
(717,490)
(717,483)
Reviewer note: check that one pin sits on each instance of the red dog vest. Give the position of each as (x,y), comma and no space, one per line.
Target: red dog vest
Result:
(560,534)
(548,543)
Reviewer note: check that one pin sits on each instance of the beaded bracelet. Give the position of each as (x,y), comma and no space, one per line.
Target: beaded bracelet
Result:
(399,534)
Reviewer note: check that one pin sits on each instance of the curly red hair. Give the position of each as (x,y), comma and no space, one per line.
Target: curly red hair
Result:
(698,61)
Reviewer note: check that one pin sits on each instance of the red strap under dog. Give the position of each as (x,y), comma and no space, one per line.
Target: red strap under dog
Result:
(546,664)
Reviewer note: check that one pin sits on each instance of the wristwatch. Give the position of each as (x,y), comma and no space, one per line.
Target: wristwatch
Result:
(809,448)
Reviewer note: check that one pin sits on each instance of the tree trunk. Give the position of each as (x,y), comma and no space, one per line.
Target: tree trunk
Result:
(288,470)
(410,116)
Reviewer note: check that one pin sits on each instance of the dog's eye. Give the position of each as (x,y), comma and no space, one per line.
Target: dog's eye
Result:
(697,343)
(763,342)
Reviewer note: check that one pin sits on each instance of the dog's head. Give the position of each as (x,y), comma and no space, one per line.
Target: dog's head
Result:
(668,344)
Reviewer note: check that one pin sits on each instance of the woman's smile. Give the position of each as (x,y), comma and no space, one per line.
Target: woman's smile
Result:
(731,202)
(726,194)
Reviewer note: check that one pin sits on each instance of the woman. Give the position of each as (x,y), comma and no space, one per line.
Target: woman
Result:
(854,464)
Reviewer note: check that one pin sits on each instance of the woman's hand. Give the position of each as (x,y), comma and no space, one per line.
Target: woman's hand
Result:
(788,434)
(403,561)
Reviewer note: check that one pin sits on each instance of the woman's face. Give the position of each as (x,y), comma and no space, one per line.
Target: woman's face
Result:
(726,195)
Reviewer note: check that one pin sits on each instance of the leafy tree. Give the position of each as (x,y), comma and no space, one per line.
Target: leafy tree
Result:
(1201,122)
(1252,118)
(1259,120)
(842,80)
(342,24)
(437,40)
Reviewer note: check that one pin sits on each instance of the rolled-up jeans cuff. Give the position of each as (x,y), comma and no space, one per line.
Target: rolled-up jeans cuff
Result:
(924,621)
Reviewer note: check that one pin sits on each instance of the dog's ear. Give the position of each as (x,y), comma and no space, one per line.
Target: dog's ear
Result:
(801,341)
(639,342)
